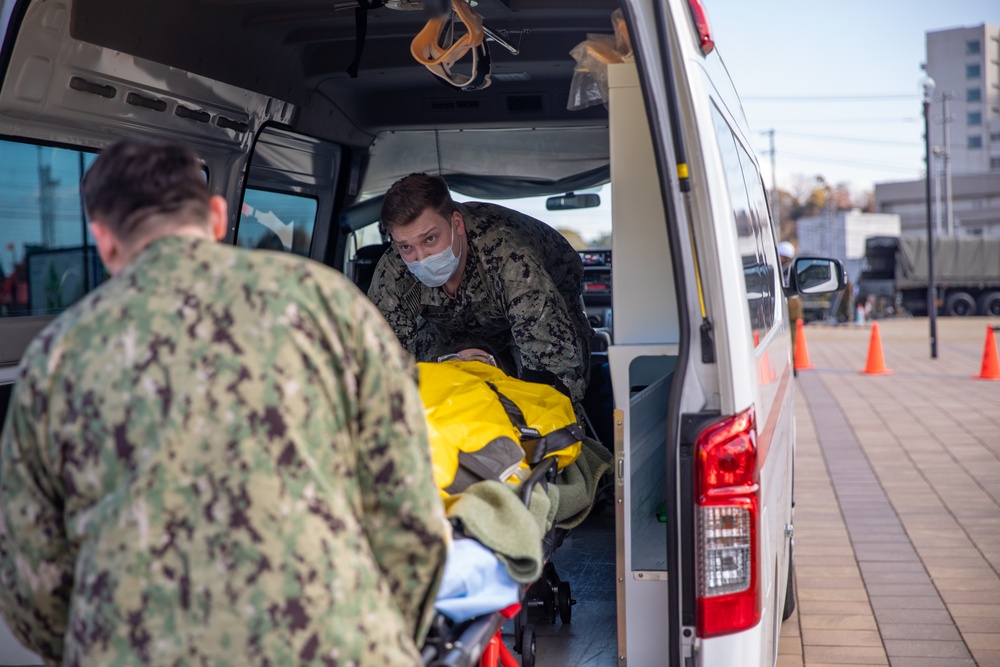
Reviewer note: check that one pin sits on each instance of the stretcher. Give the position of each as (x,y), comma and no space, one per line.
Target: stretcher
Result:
(479,641)
(517,438)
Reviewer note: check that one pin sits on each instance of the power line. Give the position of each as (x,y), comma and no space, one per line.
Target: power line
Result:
(831,98)
(853,163)
(844,121)
(857,140)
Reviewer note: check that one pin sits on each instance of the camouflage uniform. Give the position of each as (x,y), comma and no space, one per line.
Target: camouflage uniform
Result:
(219,457)
(521,294)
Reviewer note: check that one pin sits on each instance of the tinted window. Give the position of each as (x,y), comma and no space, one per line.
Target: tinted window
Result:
(973,95)
(47,255)
(276,221)
(754,238)
(972,71)
(972,47)
(975,142)
(974,118)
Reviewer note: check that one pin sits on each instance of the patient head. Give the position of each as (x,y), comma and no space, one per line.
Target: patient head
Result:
(471,354)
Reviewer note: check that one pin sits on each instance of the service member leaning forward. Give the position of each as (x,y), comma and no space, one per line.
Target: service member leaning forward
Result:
(480,271)
(218,457)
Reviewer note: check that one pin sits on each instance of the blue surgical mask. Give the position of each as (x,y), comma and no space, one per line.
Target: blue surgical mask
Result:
(435,270)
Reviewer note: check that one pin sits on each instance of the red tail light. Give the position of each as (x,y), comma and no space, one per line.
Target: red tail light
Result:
(701,24)
(727,487)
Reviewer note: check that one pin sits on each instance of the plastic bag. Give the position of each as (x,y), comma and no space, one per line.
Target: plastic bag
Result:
(593,55)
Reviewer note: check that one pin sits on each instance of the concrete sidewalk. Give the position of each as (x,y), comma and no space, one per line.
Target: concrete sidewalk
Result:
(897,519)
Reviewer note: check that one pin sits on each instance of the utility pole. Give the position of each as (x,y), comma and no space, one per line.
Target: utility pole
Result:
(938,152)
(774,183)
(931,291)
(946,120)
(46,199)
(775,216)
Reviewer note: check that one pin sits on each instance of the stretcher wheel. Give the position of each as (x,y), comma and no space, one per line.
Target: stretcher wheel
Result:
(528,647)
(565,602)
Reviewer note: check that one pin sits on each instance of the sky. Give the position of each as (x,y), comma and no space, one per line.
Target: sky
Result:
(861,57)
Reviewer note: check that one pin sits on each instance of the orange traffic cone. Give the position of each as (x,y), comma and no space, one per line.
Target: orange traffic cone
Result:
(990,369)
(876,363)
(801,349)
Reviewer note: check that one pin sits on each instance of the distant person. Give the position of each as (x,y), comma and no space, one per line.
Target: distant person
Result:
(478,270)
(219,457)
(786,253)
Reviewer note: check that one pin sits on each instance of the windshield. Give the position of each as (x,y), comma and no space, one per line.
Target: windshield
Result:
(584,228)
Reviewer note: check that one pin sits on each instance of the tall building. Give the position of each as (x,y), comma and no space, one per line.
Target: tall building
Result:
(965,66)
(965,139)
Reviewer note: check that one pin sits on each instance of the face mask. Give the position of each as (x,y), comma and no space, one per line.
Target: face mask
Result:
(435,270)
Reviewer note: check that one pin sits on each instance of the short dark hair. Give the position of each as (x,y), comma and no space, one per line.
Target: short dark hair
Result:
(412,195)
(135,179)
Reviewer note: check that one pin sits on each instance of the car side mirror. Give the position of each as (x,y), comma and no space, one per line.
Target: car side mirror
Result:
(818,275)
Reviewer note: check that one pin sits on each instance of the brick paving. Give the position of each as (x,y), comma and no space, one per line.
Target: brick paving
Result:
(897,519)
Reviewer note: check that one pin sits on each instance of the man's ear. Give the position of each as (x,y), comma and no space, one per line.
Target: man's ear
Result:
(110,249)
(218,215)
(459,222)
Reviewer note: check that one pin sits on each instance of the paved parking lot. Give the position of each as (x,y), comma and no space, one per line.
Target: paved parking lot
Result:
(897,538)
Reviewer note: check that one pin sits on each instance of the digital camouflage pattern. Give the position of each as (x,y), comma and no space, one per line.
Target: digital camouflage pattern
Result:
(521,294)
(219,457)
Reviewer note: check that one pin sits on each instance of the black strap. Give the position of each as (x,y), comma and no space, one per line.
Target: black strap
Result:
(361,32)
(561,438)
(516,416)
(532,440)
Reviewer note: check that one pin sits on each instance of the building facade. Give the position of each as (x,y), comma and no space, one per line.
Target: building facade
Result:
(842,235)
(965,66)
(975,204)
(964,136)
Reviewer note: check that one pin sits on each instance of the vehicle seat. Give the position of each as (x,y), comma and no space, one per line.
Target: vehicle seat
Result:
(364,263)
(598,401)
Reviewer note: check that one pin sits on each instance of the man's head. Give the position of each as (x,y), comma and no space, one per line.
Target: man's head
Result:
(427,229)
(786,250)
(138,191)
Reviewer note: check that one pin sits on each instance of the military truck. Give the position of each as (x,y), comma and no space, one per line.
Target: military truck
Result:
(966,273)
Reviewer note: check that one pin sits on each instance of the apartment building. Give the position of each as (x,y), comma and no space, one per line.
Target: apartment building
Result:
(965,138)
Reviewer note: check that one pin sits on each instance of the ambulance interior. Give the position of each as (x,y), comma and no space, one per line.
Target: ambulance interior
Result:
(630,300)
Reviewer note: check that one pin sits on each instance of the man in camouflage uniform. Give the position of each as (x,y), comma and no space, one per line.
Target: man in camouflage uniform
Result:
(476,271)
(218,457)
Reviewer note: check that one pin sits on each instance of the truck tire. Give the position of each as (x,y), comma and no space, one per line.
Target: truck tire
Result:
(989,304)
(959,304)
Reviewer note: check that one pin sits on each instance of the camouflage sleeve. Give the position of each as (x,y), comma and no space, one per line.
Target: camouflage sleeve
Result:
(542,327)
(403,514)
(386,293)
(36,565)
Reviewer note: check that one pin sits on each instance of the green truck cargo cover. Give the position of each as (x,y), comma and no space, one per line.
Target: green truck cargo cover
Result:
(957,261)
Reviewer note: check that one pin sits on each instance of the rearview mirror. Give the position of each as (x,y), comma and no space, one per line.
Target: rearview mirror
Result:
(818,275)
(571,200)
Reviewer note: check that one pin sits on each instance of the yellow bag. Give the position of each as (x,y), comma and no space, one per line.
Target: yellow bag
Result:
(484,424)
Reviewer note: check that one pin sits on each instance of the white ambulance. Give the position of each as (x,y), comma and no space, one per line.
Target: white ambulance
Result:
(305,111)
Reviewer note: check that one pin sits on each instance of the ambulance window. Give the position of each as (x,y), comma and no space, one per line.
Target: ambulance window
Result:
(47,255)
(758,271)
(766,249)
(364,249)
(276,221)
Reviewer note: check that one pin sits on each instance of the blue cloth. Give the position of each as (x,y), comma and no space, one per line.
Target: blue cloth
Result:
(475,583)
